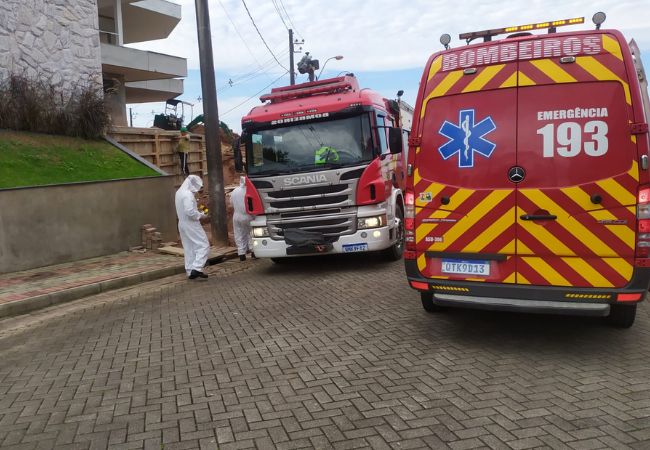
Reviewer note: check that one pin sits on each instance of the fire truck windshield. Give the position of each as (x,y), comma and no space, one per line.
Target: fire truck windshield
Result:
(310,146)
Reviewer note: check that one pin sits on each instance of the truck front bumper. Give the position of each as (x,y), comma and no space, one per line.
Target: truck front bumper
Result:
(373,238)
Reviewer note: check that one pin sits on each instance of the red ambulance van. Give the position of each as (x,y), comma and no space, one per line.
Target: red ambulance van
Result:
(528,185)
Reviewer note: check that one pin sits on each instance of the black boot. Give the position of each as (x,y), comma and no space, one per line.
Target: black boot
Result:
(242,257)
(196,274)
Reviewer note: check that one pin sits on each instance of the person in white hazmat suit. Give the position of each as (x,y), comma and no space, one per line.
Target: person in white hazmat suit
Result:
(195,242)
(241,220)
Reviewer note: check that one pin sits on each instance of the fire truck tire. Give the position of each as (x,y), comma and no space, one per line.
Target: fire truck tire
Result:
(427,303)
(395,251)
(622,316)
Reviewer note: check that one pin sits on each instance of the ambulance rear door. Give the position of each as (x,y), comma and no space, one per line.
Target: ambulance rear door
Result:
(576,199)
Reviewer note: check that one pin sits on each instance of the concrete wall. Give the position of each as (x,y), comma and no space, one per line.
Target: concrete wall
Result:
(55,40)
(47,225)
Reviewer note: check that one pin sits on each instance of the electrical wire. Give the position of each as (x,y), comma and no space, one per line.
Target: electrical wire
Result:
(275,4)
(239,34)
(261,37)
(255,95)
(233,81)
(289,18)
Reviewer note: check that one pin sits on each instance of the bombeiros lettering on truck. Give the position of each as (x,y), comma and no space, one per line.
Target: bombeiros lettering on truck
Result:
(325,170)
(528,185)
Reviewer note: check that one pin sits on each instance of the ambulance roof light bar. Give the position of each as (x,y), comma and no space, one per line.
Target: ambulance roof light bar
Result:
(551,26)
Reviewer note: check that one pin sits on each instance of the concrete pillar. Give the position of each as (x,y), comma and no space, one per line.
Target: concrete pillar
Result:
(115,96)
(117,10)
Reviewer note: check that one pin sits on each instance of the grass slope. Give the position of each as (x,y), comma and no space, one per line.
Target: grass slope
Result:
(31,159)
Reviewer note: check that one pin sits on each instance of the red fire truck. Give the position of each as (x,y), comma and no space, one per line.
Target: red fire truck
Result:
(324,170)
(528,185)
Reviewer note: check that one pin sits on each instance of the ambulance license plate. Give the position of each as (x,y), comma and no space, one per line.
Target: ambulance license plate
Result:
(349,248)
(460,267)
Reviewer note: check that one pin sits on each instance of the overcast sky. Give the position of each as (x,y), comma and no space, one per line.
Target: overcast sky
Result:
(384,42)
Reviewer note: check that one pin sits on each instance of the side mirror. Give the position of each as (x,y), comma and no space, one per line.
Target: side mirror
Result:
(395,140)
(239,161)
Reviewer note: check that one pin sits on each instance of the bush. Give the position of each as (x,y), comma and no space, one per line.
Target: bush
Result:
(34,105)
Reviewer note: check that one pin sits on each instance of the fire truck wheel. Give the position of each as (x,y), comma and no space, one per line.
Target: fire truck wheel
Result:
(427,303)
(622,316)
(395,251)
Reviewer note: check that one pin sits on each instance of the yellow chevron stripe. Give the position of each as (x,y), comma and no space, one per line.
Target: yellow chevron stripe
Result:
(613,188)
(510,82)
(524,80)
(553,71)
(424,229)
(490,233)
(466,222)
(422,262)
(572,226)
(509,249)
(458,198)
(416,176)
(434,189)
(620,265)
(634,170)
(543,236)
(435,67)
(602,73)
(587,272)
(611,45)
(483,78)
(511,278)
(441,89)
(624,233)
(580,197)
(546,271)
(522,279)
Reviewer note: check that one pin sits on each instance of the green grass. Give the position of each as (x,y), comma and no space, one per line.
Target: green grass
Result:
(31,159)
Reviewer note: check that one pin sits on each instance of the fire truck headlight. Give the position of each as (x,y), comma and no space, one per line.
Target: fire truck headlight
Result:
(371,222)
(260,232)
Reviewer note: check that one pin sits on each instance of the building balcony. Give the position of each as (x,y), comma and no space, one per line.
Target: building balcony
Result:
(141,65)
(140,20)
(153,90)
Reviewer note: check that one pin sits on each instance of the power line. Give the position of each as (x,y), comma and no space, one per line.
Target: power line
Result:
(251,75)
(275,4)
(261,37)
(239,34)
(256,94)
(289,18)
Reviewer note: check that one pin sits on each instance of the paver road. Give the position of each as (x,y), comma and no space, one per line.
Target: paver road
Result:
(324,353)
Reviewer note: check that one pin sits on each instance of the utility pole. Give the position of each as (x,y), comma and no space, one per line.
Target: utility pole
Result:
(131,116)
(218,224)
(292,76)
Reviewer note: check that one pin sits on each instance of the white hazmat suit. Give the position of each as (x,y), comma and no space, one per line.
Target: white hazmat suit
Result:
(241,220)
(195,242)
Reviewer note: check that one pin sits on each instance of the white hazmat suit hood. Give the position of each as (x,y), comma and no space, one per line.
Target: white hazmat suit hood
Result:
(240,218)
(195,242)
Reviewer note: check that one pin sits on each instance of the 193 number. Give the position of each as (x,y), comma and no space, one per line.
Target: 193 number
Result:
(567,140)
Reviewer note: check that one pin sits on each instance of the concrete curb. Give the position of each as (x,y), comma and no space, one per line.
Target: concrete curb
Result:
(27,305)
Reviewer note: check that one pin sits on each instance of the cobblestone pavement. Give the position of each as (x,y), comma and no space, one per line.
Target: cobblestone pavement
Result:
(323,353)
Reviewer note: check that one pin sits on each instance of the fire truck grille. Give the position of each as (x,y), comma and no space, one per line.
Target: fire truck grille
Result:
(317,190)
(309,202)
(330,226)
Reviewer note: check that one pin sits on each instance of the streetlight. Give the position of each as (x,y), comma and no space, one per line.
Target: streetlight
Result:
(337,57)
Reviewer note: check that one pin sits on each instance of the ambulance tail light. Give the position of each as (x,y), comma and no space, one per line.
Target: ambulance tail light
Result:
(643,227)
(409,223)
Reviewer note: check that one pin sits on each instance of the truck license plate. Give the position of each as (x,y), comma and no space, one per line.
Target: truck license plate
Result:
(478,268)
(349,248)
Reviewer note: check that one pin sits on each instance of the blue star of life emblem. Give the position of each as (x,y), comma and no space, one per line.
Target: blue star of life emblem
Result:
(467,138)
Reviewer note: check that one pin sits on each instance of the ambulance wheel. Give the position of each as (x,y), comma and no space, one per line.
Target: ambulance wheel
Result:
(395,251)
(622,316)
(427,303)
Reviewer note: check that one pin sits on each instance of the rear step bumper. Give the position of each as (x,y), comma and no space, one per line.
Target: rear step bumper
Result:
(530,298)
(529,306)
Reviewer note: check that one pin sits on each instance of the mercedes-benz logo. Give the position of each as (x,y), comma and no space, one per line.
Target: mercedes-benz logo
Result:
(516,174)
